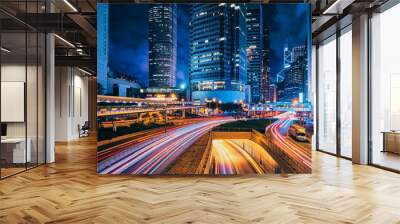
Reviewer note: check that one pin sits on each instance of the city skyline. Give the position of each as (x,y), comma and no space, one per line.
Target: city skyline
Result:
(129,43)
(131,46)
(133,26)
(218,52)
(222,55)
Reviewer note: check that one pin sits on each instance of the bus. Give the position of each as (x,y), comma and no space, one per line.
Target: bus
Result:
(298,133)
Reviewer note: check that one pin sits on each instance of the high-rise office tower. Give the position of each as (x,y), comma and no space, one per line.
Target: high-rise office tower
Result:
(254,50)
(272,93)
(296,74)
(217,55)
(265,71)
(287,57)
(102,52)
(280,92)
(287,61)
(162,45)
(298,51)
(299,57)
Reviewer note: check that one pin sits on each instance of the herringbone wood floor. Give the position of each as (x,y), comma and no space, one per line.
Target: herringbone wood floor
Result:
(70,191)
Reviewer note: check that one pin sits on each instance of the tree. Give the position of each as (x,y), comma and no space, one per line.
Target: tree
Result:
(212,105)
(231,107)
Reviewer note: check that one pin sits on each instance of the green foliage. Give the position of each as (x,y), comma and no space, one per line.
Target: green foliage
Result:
(231,107)
(108,133)
(226,107)
(212,105)
(259,124)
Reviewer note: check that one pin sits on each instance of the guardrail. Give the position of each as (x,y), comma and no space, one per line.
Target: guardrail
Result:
(285,161)
(290,165)
(205,161)
(224,129)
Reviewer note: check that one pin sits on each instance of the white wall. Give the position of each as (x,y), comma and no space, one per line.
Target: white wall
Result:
(33,127)
(15,72)
(12,73)
(71,102)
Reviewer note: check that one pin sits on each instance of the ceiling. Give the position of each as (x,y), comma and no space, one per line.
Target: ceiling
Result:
(74,22)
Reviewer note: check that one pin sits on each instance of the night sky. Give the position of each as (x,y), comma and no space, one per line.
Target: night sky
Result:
(288,24)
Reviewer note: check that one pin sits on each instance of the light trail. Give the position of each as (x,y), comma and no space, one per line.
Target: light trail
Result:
(258,153)
(155,155)
(139,137)
(142,136)
(247,156)
(297,152)
(132,111)
(230,157)
(228,160)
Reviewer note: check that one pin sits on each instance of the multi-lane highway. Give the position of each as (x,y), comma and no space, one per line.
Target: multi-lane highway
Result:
(240,157)
(105,150)
(300,153)
(154,151)
(155,154)
(229,158)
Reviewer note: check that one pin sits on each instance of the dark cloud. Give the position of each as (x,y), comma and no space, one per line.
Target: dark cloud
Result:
(128,40)
(288,24)
(129,44)
(182,70)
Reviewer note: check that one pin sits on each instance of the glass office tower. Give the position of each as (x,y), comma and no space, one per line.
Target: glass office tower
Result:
(217,55)
(265,88)
(102,52)
(295,75)
(162,46)
(254,50)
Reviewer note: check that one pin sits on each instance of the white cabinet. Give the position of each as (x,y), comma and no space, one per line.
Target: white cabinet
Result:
(17,148)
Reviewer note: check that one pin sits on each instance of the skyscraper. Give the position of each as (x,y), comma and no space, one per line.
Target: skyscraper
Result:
(299,56)
(298,51)
(287,57)
(265,71)
(217,56)
(254,50)
(102,52)
(272,93)
(162,45)
(295,77)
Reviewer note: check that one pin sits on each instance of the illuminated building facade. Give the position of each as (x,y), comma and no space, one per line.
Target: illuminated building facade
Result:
(265,95)
(102,52)
(254,50)
(295,76)
(162,45)
(217,52)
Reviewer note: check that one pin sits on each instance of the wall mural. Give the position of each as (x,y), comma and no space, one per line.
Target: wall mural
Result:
(204,89)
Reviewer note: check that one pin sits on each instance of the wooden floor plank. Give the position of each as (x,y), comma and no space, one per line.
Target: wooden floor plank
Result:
(70,191)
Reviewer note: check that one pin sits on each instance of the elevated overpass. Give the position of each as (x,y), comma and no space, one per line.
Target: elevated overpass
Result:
(115,105)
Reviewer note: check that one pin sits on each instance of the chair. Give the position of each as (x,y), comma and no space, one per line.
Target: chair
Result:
(84,130)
